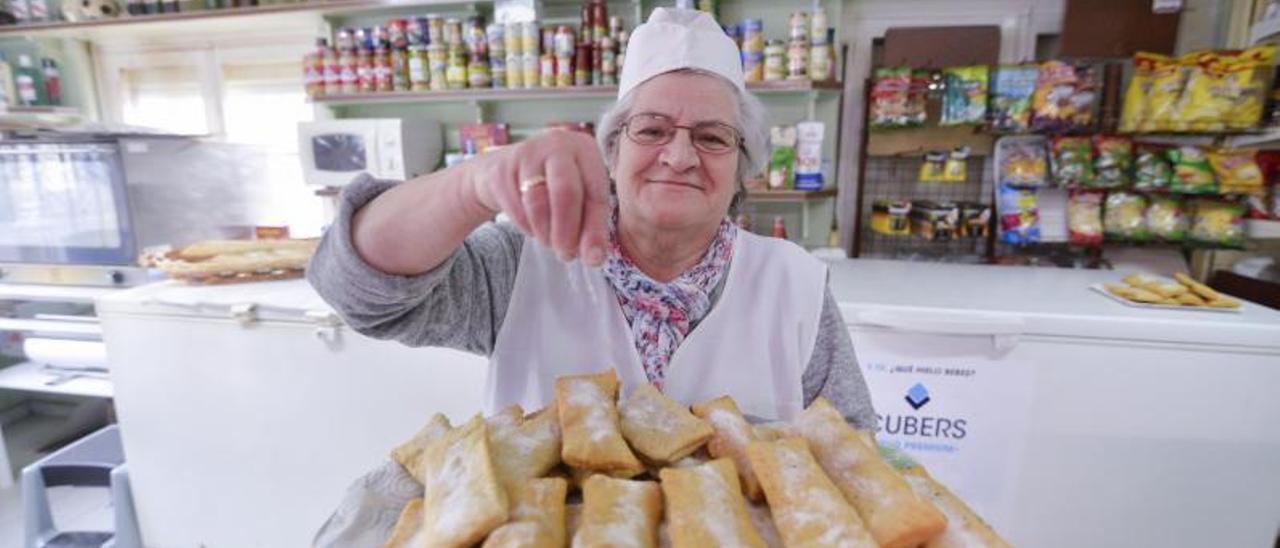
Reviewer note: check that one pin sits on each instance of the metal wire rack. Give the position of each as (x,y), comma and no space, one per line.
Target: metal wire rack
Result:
(897,178)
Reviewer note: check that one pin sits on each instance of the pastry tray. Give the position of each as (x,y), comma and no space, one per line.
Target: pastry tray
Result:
(1103,290)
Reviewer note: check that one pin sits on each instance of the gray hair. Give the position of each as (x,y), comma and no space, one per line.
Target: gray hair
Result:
(751,122)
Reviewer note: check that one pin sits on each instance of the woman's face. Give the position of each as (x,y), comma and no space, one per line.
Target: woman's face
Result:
(675,186)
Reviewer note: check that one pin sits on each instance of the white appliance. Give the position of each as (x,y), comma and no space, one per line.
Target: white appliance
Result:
(1067,419)
(333,152)
(246,410)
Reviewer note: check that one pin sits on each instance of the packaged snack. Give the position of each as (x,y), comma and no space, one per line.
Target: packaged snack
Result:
(918,94)
(1256,206)
(890,217)
(1022,162)
(1226,90)
(1011,90)
(1165,219)
(889,98)
(1237,171)
(1084,217)
(1019,215)
(1065,98)
(964,100)
(1114,158)
(1124,217)
(955,170)
(975,219)
(1216,222)
(1168,80)
(1072,161)
(934,221)
(1134,115)
(1192,173)
(933,168)
(1152,171)
(782,160)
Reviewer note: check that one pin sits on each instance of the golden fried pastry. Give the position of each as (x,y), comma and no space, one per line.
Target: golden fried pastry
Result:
(619,513)
(1223,302)
(1198,288)
(894,514)
(1190,299)
(211,248)
(762,519)
(526,451)
(408,530)
(1163,287)
(1136,294)
(592,438)
(463,501)
(409,454)
(733,434)
(537,516)
(705,507)
(511,415)
(964,528)
(807,508)
(660,429)
(770,431)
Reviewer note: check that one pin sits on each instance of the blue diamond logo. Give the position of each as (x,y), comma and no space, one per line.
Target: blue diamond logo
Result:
(917,396)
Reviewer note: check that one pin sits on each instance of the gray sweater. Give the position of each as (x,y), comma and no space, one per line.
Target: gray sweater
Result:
(461,304)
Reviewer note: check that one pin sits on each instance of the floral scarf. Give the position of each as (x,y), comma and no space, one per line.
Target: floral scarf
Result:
(661,314)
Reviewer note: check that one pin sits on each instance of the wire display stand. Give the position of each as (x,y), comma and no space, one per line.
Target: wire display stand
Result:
(897,178)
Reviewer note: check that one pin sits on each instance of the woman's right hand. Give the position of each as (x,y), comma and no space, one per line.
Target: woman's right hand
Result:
(555,189)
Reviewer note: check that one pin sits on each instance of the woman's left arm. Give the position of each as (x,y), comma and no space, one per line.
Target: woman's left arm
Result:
(833,370)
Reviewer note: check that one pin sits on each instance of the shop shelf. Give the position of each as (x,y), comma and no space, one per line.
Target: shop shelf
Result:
(1266,139)
(1262,229)
(789,195)
(574,92)
(39,115)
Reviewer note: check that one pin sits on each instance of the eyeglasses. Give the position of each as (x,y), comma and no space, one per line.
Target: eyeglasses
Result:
(657,129)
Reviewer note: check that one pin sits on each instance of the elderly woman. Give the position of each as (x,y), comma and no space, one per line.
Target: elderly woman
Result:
(682,298)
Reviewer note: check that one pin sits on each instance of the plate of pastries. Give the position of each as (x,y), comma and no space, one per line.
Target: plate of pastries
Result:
(593,470)
(1180,293)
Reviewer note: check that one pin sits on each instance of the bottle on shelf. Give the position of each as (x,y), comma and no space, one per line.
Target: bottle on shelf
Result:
(8,92)
(52,82)
(29,83)
(779,228)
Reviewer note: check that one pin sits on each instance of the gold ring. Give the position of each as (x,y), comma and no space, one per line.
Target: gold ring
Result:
(528,184)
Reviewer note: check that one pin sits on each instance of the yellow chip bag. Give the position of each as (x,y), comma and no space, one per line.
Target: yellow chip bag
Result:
(1237,171)
(1207,97)
(1249,78)
(1168,79)
(1135,116)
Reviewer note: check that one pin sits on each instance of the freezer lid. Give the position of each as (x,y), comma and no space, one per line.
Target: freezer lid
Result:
(288,300)
(1013,300)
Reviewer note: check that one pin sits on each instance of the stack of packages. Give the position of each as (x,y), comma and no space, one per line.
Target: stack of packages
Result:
(1197,92)
(648,471)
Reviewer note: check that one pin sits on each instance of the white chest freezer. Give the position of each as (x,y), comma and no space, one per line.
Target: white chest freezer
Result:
(246,410)
(1068,419)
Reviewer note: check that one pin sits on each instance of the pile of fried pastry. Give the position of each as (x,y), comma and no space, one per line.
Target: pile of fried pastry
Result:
(235,261)
(590,471)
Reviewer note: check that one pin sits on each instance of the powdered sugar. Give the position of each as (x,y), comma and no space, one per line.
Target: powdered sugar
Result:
(718,513)
(814,505)
(731,426)
(648,414)
(958,531)
(589,397)
(454,502)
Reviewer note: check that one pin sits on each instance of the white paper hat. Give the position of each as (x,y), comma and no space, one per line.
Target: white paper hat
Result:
(676,39)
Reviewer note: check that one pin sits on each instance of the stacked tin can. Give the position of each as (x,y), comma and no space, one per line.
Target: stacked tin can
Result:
(752,50)
(530,46)
(496,35)
(820,52)
(798,46)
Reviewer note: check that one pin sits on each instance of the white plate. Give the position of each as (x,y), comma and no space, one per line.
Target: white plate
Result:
(1103,290)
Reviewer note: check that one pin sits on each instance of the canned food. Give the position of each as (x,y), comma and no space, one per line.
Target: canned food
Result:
(547,75)
(798,60)
(775,61)
(799,25)
(818,28)
(752,36)
(564,71)
(478,72)
(532,69)
(399,70)
(752,66)
(419,69)
(453,31)
(435,30)
(820,63)
(515,71)
(530,39)
(456,72)
(438,65)
(582,68)
(496,35)
(512,39)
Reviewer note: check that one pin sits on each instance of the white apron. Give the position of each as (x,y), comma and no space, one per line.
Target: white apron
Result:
(753,345)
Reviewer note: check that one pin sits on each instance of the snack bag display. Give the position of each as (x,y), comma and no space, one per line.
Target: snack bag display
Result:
(934,221)
(1084,217)
(956,168)
(1226,90)
(1217,223)
(889,99)
(1152,170)
(1022,162)
(1192,173)
(964,100)
(1112,161)
(1065,98)
(934,167)
(1011,89)
(1019,215)
(975,219)
(1237,171)
(891,217)
(1134,115)
(1072,161)
(1166,219)
(1124,217)
(1168,79)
